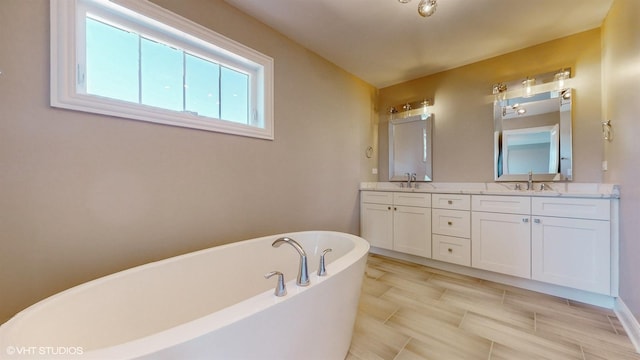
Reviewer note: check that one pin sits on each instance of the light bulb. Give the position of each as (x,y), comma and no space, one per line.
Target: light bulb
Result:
(426,7)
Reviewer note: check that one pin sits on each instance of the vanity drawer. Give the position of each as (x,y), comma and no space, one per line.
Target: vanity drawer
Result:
(451,222)
(501,204)
(597,209)
(451,201)
(452,249)
(377,197)
(412,199)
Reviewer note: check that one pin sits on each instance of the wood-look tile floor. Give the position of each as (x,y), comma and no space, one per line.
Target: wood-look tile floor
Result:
(409,311)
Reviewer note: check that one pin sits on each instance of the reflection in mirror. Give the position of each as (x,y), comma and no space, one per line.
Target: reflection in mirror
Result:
(410,148)
(533,134)
(532,149)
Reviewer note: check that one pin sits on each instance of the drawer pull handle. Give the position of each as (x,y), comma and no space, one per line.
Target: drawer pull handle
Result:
(450,250)
(395,208)
(537,221)
(450,202)
(449,223)
(388,207)
(525,220)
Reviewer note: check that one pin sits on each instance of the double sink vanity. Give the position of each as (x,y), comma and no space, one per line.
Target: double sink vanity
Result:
(556,236)
(562,240)
(533,227)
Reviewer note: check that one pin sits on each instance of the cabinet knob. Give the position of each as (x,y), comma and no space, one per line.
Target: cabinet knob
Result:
(450,250)
(449,223)
(388,207)
(450,202)
(395,208)
(537,221)
(525,220)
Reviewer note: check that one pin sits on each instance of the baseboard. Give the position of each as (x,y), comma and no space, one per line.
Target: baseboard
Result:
(629,322)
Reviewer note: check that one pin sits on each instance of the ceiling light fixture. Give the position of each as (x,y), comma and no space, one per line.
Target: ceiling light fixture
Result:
(426,8)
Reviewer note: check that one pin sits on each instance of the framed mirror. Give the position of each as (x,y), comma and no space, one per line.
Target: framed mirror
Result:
(410,148)
(533,134)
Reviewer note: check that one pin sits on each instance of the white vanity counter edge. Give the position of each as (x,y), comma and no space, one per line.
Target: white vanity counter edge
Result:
(582,190)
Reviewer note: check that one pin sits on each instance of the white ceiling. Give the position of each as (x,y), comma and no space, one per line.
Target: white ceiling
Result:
(385,42)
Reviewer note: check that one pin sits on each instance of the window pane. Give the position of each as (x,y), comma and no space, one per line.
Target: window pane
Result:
(202,93)
(112,61)
(234,87)
(161,75)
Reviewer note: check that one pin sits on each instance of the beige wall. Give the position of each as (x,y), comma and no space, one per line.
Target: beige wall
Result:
(621,64)
(84,195)
(463,110)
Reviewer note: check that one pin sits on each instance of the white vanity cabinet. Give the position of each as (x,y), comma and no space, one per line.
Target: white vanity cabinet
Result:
(451,227)
(500,234)
(397,221)
(571,243)
(561,243)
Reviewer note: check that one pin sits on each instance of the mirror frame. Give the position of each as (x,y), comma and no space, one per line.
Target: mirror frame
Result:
(395,151)
(565,172)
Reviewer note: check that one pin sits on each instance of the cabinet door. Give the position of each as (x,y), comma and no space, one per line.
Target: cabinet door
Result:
(376,225)
(412,230)
(572,252)
(501,243)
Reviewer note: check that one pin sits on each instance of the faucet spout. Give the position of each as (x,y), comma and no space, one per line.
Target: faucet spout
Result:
(530,181)
(303,272)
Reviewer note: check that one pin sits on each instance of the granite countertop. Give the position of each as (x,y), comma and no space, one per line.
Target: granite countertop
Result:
(583,190)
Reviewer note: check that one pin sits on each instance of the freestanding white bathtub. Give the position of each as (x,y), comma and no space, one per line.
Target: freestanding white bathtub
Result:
(212,304)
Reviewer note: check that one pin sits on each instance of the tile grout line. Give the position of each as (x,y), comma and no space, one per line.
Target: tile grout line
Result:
(611,323)
(443,293)
(491,350)
(390,316)
(403,347)
(462,320)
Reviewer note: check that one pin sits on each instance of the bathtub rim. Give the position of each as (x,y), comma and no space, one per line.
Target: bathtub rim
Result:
(191,329)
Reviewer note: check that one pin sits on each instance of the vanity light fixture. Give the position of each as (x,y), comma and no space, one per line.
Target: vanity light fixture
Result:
(421,107)
(426,8)
(560,77)
(500,91)
(527,85)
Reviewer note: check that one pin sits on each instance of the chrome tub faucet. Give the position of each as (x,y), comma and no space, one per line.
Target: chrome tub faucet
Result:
(281,289)
(303,272)
(322,268)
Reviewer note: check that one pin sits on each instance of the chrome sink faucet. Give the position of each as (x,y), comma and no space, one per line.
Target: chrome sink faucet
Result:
(530,181)
(303,272)
(410,178)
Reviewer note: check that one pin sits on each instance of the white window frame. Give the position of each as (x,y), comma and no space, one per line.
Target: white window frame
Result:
(67,51)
